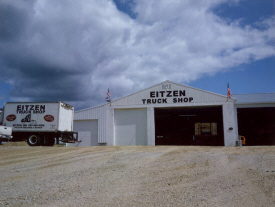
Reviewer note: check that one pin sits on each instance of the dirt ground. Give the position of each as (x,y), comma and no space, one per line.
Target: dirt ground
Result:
(137,176)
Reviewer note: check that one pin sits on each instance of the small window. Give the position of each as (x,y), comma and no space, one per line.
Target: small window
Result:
(206,129)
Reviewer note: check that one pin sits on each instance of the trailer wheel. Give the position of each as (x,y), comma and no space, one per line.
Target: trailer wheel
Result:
(34,140)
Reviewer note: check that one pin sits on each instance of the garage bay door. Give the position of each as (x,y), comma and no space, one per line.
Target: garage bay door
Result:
(87,132)
(130,127)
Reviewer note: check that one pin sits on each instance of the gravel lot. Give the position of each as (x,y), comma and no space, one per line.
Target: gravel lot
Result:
(137,176)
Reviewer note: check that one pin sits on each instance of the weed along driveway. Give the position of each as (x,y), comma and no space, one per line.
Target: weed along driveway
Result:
(137,176)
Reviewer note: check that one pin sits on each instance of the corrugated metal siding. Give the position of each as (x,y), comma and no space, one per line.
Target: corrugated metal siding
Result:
(255,98)
(90,113)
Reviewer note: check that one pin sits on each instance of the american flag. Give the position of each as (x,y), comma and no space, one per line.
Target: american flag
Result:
(108,94)
(229,94)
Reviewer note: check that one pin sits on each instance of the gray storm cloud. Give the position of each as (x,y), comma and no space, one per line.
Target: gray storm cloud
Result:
(74,51)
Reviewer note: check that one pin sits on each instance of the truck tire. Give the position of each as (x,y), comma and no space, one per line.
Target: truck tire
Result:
(34,140)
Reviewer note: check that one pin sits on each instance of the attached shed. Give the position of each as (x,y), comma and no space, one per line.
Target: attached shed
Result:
(164,114)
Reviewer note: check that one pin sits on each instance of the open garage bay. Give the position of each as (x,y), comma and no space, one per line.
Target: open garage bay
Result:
(189,126)
(257,125)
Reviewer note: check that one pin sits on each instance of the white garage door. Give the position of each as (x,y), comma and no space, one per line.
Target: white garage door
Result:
(130,126)
(87,132)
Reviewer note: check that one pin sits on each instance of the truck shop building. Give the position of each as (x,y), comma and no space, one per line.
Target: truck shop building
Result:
(174,114)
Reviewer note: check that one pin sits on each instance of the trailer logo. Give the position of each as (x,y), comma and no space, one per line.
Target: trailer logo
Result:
(31,109)
(27,118)
(11,117)
(49,118)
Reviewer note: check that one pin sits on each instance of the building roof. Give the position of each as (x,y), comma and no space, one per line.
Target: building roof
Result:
(252,98)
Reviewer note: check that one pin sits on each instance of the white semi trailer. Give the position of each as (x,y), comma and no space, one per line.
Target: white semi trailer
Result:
(39,123)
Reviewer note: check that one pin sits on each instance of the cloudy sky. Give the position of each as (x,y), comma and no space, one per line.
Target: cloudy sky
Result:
(73,51)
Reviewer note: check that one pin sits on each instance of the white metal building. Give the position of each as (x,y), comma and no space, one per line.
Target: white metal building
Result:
(167,114)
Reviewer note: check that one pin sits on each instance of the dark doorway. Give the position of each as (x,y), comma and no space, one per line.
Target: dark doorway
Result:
(177,126)
(257,125)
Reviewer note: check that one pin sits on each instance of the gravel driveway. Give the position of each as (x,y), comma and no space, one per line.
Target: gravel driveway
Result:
(137,176)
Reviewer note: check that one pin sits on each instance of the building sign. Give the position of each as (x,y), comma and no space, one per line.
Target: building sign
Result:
(167,96)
